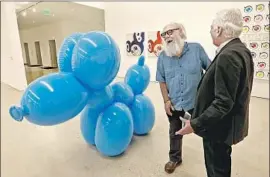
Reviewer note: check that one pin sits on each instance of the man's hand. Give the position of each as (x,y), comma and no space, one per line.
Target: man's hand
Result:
(168,107)
(187,129)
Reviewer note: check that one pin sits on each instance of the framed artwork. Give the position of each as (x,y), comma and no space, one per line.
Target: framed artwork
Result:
(255,36)
(135,43)
(154,44)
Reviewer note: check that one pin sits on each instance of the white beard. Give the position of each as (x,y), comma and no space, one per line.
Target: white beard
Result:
(175,47)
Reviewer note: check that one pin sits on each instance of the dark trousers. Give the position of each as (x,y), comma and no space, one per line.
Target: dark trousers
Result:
(175,153)
(217,157)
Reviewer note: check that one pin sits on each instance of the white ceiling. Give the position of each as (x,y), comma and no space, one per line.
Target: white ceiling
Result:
(33,14)
(100,5)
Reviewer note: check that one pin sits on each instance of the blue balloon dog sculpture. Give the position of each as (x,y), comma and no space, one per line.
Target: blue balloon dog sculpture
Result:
(111,113)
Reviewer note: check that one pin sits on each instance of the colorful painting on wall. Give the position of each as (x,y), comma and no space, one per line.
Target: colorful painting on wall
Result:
(154,44)
(135,44)
(256,37)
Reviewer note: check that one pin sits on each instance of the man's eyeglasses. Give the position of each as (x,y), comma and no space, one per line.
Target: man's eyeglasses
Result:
(169,32)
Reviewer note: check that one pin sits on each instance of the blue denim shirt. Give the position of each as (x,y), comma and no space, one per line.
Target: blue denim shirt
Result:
(183,74)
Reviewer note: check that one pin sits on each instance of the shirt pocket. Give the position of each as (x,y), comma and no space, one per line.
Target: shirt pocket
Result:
(169,74)
(193,67)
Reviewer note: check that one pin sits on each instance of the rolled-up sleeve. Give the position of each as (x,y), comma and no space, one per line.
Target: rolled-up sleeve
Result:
(160,75)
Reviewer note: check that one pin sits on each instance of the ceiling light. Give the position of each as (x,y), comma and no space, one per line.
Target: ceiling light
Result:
(24,13)
(34,10)
(53,15)
(33,21)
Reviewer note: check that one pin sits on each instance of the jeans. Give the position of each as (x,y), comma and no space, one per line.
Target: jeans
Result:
(175,153)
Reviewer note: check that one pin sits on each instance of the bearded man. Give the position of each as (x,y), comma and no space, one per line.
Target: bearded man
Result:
(179,71)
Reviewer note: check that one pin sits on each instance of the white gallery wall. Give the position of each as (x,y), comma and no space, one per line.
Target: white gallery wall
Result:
(128,17)
(12,67)
(57,31)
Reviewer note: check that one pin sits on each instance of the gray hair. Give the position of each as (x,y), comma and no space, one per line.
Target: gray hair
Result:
(175,25)
(231,21)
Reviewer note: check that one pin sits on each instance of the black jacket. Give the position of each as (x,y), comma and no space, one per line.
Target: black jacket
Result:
(221,111)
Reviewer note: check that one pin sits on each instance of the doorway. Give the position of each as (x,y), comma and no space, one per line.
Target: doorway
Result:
(38,53)
(53,54)
(26,49)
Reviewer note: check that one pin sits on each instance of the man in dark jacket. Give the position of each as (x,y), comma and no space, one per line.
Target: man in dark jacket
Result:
(221,110)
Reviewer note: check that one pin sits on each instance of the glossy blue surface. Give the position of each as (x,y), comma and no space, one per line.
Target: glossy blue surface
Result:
(66,51)
(122,93)
(138,76)
(96,60)
(88,63)
(101,99)
(88,124)
(51,100)
(114,130)
(143,113)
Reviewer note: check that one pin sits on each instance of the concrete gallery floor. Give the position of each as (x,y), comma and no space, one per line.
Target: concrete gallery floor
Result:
(60,151)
